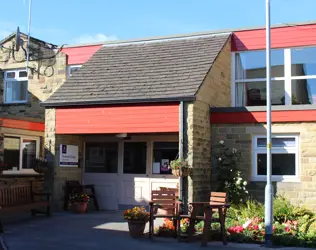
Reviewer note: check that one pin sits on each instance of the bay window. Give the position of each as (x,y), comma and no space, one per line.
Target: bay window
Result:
(293,77)
(20,152)
(285,158)
(15,86)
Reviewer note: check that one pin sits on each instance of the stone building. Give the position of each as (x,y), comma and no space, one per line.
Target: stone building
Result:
(22,118)
(119,120)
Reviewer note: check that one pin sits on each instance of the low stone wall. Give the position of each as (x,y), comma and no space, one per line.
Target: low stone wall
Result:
(239,136)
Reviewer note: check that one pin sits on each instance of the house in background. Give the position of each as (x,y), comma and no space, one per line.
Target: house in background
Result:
(122,113)
(22,118)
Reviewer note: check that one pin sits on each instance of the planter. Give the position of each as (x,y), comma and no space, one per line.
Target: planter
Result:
(79,208)
(40,169)
(136,228)
(183,172)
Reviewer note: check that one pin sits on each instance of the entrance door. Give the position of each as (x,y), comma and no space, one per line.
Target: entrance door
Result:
(134,179)
(101,170)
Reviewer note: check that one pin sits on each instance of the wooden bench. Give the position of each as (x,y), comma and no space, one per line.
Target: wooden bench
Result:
(21,197)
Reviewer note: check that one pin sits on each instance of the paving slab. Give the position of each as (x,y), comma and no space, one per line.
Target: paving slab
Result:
(92,231)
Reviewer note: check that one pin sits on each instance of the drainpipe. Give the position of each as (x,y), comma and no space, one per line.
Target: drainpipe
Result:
(181,125)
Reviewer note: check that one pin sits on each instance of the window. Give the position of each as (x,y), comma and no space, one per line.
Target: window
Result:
(284,157)
(20,152)
(164,152)
(15,86)
(135,158)
(101,157)
(293,75)
(73,68)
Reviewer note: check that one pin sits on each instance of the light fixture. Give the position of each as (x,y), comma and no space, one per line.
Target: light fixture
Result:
(122,135)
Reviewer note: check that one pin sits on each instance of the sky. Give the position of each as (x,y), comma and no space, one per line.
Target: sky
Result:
(81,21)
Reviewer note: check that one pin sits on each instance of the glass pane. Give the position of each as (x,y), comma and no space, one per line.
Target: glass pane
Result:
(22,74)
(101,157)
(10,74)
(29,153)
(303,61)
(252,64)
(277,142)
(254,93)
(12,152)
(282,164)
(134,158)
(164,152)
(74,69)
(304,91)
(16,91)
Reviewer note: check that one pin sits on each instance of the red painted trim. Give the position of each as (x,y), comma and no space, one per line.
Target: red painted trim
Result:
(20,124)
(282,37)
(157,118)
(79,55)
(260,117)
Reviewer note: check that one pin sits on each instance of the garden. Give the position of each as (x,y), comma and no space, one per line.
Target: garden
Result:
(293,225)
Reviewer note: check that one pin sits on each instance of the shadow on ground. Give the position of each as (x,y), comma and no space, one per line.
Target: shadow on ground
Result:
(91,231)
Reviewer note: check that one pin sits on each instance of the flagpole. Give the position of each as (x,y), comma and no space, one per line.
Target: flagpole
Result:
(268,213)
(28,36)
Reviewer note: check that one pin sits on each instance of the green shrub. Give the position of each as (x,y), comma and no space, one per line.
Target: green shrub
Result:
(283,210)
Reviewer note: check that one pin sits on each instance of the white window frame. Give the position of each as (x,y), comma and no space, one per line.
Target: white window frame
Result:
(21,169)
(283,150)
(287,75)
(15,79)
(71,67)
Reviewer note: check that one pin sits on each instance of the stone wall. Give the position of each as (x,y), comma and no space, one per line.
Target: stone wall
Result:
(215,91)
(60,174)
(240,136)
(47,72)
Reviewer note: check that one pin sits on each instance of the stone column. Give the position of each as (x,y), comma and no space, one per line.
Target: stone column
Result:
(197,145)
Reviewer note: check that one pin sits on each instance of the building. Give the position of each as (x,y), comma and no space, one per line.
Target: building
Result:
(115,123)
(22,118)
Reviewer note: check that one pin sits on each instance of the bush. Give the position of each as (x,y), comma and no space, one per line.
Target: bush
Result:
(283,210)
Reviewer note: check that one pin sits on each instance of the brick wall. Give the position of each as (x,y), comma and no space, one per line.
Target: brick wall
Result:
(214,91)
(240,136)
(52,144)
(47,71)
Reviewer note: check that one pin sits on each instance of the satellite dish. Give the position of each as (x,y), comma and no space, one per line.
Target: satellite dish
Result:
(17,39)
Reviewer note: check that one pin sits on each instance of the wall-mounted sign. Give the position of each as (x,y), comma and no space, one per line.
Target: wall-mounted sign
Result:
(68,156)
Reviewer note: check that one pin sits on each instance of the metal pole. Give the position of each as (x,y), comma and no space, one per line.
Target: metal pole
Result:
(181,147)
(28,36)
(268,215)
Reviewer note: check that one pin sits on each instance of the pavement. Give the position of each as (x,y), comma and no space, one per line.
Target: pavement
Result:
(92,231)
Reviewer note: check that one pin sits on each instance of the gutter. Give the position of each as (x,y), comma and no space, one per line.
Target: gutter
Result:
(109,102)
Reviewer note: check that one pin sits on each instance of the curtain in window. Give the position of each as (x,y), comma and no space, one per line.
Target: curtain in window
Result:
(241,88)
(16,91)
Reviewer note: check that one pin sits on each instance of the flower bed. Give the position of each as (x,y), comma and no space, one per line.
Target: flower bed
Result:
(293,225)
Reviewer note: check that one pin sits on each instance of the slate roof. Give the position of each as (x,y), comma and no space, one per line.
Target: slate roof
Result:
(147,71)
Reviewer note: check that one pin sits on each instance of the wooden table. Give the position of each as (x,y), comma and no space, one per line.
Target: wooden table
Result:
(208,211)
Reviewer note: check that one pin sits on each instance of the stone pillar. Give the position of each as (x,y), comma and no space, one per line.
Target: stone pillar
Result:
(197,145)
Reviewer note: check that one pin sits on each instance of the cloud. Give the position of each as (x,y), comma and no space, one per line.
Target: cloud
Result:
(95,38)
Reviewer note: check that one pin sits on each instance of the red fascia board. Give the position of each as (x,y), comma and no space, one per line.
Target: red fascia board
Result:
(260,116)
(118,119)
(281,37)
(21,124)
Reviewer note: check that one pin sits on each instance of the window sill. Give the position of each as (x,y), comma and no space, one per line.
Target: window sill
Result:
(264,108)
(276,179)
(16,104)
(25,172)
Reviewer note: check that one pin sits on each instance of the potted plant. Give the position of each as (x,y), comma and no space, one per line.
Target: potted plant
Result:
(180,168)
(79,202)
(40,165)
(137,218)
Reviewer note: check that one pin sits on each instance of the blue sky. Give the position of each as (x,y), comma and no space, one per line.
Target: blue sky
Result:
(77,21)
